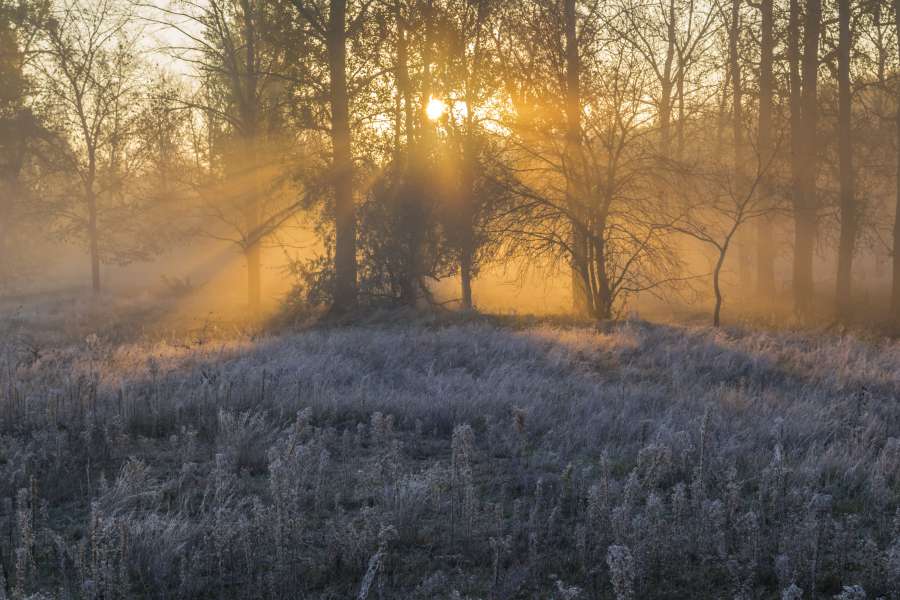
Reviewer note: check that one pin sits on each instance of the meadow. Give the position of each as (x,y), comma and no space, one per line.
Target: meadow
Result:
(442,457)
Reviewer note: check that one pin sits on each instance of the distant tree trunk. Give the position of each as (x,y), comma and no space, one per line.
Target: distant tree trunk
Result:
(667,87)
(580,278)
(845,151)
(717,287)
(470,158)
(254,262)
(805,163)
(679,93)
(5,220)
(344,210)
(895,296)
(466,217)
(603,303)
(765,240)
(722,111)
(93,235)
(9,187)
(737,114)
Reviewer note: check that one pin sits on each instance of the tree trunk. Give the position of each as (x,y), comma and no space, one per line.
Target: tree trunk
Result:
(253,249)
(765,239)
(845,151)
(465,273)
(465,226)
(667,87)
(93,239)
(717,287)
(895,296)
(470,159)
(805,163)
(7,189)
(603,305)
(737,124)
(342,166)
(580,289)
(254,278)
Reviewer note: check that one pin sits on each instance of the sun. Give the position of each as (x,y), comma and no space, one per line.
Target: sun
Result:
(435,109)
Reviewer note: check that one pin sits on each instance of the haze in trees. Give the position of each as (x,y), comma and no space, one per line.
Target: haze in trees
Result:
(449,299)
(345,155)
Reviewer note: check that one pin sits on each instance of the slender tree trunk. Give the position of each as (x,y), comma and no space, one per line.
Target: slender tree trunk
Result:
(466,233)
(895,295)
(845,151)
(668,85)
(603,304)
(254,278)
(722,112)
(717,287)
(465,268)
(737,125)
(805,163)
(679,93)
(470,158)
(7,189)
(765,239)
(344,209)
(580,289)
(252,253)
(93,238)
(253,249)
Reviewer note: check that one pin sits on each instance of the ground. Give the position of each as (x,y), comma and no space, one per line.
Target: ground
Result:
(420,456)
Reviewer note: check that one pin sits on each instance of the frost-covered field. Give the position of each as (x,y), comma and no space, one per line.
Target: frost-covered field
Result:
(466,460)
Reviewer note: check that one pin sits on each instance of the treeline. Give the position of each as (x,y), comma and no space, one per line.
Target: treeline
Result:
(428,139)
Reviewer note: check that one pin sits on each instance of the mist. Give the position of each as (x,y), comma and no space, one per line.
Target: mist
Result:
(449,299)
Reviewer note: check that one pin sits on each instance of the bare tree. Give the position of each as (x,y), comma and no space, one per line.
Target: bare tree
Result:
(765,256)
(244,54)
(89,87)
(846,174)
(804,115)
(724,208)
(895,292)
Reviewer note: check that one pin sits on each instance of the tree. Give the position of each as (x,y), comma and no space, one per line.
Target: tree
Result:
(804,119)
(13,121)
(846,173)
(334,26)
(895,292)
(765,256)
(245,54)
(90,93)
(472,71)
(603,186)
(715,220)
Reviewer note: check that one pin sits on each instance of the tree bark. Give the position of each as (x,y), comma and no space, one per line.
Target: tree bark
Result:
(805,163)
(345,293)
(765,239)
(668,85)
(845,150)
(93,239)
(470,158)
(580,289)
(717,287)
(895,295)
(253,251)
(466,225)
(737,119)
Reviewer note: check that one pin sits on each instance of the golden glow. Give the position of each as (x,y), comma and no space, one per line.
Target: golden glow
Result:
(460,110)
(435,109)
